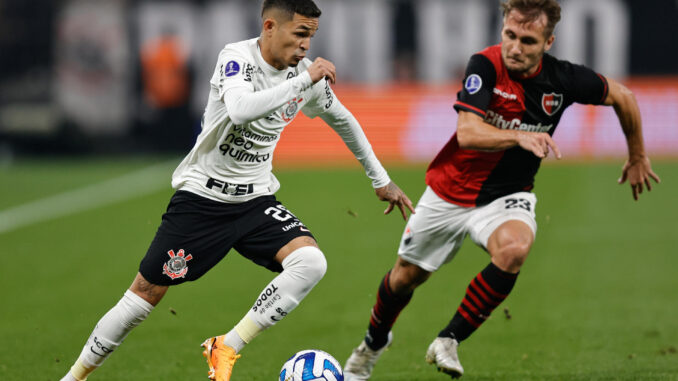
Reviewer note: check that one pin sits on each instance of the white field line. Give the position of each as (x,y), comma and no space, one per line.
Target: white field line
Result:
(129,186)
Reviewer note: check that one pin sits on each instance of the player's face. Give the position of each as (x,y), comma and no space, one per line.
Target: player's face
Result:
(523,44)
(292,39)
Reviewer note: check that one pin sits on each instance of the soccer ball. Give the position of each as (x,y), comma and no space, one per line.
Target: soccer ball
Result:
(311,365)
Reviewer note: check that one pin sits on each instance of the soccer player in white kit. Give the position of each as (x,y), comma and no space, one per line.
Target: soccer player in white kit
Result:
(225,188)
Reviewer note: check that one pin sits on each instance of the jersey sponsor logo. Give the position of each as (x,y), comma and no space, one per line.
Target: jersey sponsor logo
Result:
(232,68)
(551,103)
(230,189)
(247,71)
(505,95)
(473,83)
(498,121)
(238,144)
(177,266)
(291,75)
(243,155)
(245,133)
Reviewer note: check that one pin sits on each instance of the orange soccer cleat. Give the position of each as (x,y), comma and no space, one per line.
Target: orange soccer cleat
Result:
(220,358)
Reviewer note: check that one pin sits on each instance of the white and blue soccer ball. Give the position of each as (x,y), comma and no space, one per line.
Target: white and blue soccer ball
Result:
(311,365)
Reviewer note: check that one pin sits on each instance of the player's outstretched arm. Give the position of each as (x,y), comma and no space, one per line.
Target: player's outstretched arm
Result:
(637,169)
(395,197)
(474,133)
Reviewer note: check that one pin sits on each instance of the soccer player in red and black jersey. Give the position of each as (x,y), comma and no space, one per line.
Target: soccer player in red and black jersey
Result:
(512,99)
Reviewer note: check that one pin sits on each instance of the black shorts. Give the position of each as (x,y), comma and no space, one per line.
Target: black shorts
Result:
(196,233)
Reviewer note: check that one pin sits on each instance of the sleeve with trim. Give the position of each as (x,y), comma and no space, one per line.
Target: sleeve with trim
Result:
(479,81)
(584,85)
(336,115)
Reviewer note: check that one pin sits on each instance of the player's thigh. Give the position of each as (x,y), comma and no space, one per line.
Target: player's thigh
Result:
(268,229)
(434,234)
(491,220)
(194,235)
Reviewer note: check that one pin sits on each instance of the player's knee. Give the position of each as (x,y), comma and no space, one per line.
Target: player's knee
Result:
(316,264)
(309,261)
(512,255)
(405,277)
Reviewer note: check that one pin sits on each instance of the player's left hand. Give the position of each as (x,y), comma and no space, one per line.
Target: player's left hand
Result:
(394,196)
(638,172)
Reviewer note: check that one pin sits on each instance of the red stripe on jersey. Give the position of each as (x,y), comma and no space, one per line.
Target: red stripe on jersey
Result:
(605,90)
(457,175)
(470,108)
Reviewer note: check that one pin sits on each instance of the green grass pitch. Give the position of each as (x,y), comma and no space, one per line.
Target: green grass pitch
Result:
(596,300)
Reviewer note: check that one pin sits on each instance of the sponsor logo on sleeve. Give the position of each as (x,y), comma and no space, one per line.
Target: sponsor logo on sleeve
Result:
(248,71)
(328,94)
(551,103)
(232,68)
(473,83)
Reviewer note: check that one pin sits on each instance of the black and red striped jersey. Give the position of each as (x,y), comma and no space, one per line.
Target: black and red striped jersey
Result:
(474,178)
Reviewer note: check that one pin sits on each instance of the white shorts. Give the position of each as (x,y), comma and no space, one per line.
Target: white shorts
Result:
(434,234)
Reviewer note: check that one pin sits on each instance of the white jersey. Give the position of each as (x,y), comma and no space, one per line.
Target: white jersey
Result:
(250,103)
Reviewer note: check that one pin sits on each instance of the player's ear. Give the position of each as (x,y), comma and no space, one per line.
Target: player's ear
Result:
(549,42)
(269,27)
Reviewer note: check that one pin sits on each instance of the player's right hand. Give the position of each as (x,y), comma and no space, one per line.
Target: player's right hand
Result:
(395,197)
(539,143)
(322,68)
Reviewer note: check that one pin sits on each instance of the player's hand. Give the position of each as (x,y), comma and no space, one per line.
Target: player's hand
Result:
(638,172)
(322,68)
(539,143)
(395,196)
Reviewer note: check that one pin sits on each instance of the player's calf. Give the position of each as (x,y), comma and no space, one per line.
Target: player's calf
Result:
(302,270)
(109,333)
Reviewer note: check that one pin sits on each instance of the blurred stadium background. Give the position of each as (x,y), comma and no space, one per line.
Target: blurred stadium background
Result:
(87,76)
(99,100)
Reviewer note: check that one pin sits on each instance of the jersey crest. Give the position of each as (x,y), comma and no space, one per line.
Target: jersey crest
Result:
(291,110)
(551,103)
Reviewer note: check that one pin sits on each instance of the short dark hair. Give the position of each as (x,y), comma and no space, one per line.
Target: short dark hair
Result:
(532,9)
(290,7)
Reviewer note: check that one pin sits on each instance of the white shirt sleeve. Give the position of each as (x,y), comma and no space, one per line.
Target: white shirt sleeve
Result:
(233,78)
(337,116)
